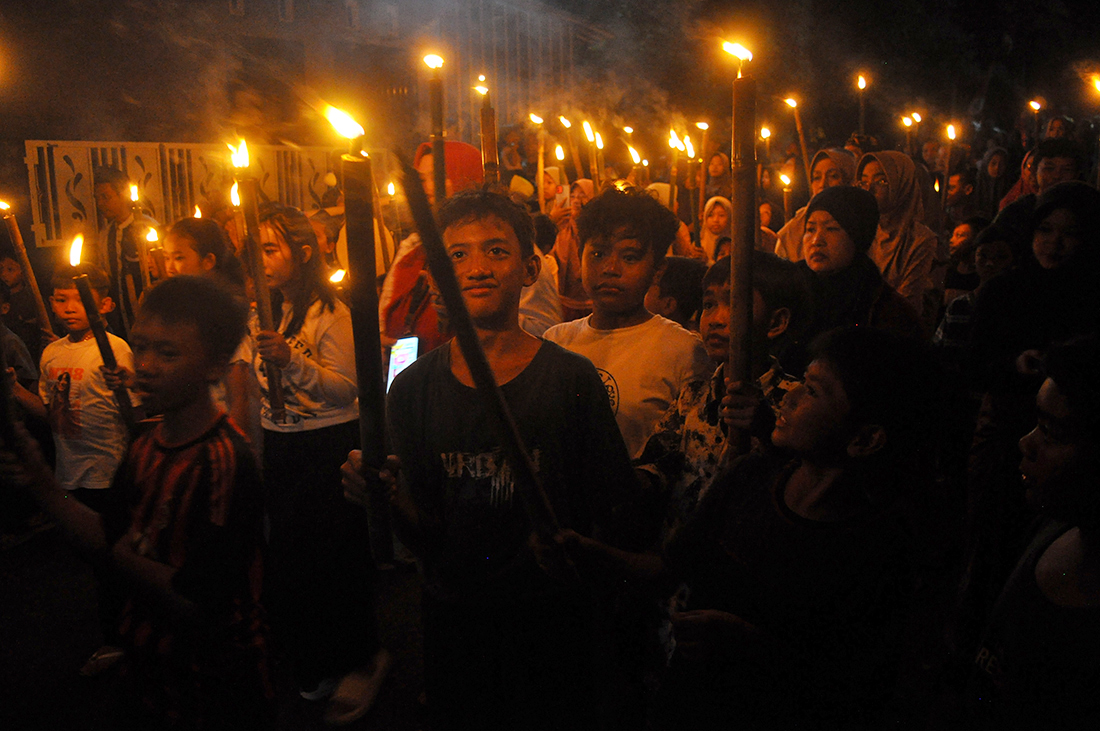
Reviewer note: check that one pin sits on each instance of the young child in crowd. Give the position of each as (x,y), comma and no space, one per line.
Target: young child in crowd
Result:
(16,354)
(199,246)
(678,292)
(505,645)
(182,525)
(20,317)
(795,558)
(75,397)
(1035,666)
(645,360)
(688,446)
(322,578)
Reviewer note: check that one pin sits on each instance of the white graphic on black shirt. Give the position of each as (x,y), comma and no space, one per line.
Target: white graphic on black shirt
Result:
(486,465)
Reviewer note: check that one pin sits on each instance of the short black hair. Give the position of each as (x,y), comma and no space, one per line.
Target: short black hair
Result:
(779,282)
(1060,147)
(220,317)
(97,278)
(635,214)
(546,233)
(682,280)
(967,175)
(473,205)
(103,175)
(890,381)
(210,238)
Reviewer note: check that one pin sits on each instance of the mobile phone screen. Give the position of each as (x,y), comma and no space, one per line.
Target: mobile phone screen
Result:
(402,353)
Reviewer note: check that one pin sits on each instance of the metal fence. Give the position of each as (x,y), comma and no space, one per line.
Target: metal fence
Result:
(172,179)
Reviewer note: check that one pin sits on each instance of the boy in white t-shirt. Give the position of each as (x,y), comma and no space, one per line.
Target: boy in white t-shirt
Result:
(643,359)
(73,395)
(89,434)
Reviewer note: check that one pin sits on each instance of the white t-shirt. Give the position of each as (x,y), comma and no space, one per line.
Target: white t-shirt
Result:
(540,304)
(87,426)
(643,367)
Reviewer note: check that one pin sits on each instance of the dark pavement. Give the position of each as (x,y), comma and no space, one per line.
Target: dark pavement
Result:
(49,627)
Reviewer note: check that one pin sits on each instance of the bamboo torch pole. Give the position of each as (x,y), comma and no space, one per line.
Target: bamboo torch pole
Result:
(435,92)
(249,200)
(576,153)
(20,247)
(744,218)
(490,161)
(125,407)
(704,163)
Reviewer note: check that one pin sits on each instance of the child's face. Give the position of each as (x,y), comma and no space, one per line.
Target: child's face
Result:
(813,417)
(69,309)
(180,257)
(491,269)
(827,246)
(279,265)
(10,272)
(961,236)
(172,368)
(714,322)
(991,259)
(1056,455)
(1056,238)
(718,220)
(616,273)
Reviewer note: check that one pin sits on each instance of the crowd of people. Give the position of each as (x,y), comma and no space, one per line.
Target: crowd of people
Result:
(915,443)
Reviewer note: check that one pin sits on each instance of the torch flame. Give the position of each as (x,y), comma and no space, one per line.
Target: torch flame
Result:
(690,147)
(559,153)
(765,133)
(736,49)
(391,189)
(433,61)
(535,118)
(235,196)
(565,122)
(198,212)
(791,103)
(786,180)
(152,236)
(483,90)
(74,250)
(916,117)
(950,131)
(4,206)
(907,121)
(702,125)
(342,122)
(1035,105)
(862,83)
(634,155)
(628,130)
(134,193)
(645,163)
(588,131)
(1096,82)
(338,276)
(238,154)
(936,185)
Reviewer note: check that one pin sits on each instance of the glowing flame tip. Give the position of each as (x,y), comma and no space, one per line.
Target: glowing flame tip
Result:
(391,189)
(238,154)
(4,206)
(338,276)
(628,130)
(133,193)
(791,103)
(74,250)
(634,155)
(198,212)
(765,132)
(565,122)
(483,90)
(916,117)
(535,118)
(599,141)
(559,153)
(907,121)
(235,196)
(786,180)
(1035,105)
(736,49)
(343,123)
(950,131)
(433,61)
(588,131)
(702,125)
(862,83)
(152,236)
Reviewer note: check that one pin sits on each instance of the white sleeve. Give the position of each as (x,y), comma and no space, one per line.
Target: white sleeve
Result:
(329,378)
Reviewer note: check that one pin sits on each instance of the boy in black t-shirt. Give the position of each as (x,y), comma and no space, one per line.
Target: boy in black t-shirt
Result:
(506,645)
(183,528)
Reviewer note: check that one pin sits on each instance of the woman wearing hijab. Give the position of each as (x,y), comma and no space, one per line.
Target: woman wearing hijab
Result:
(992,181)
(829,168)
(567,250)
(904,249)
(1025,185)
(719,178)
(847,288)
(717,218)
